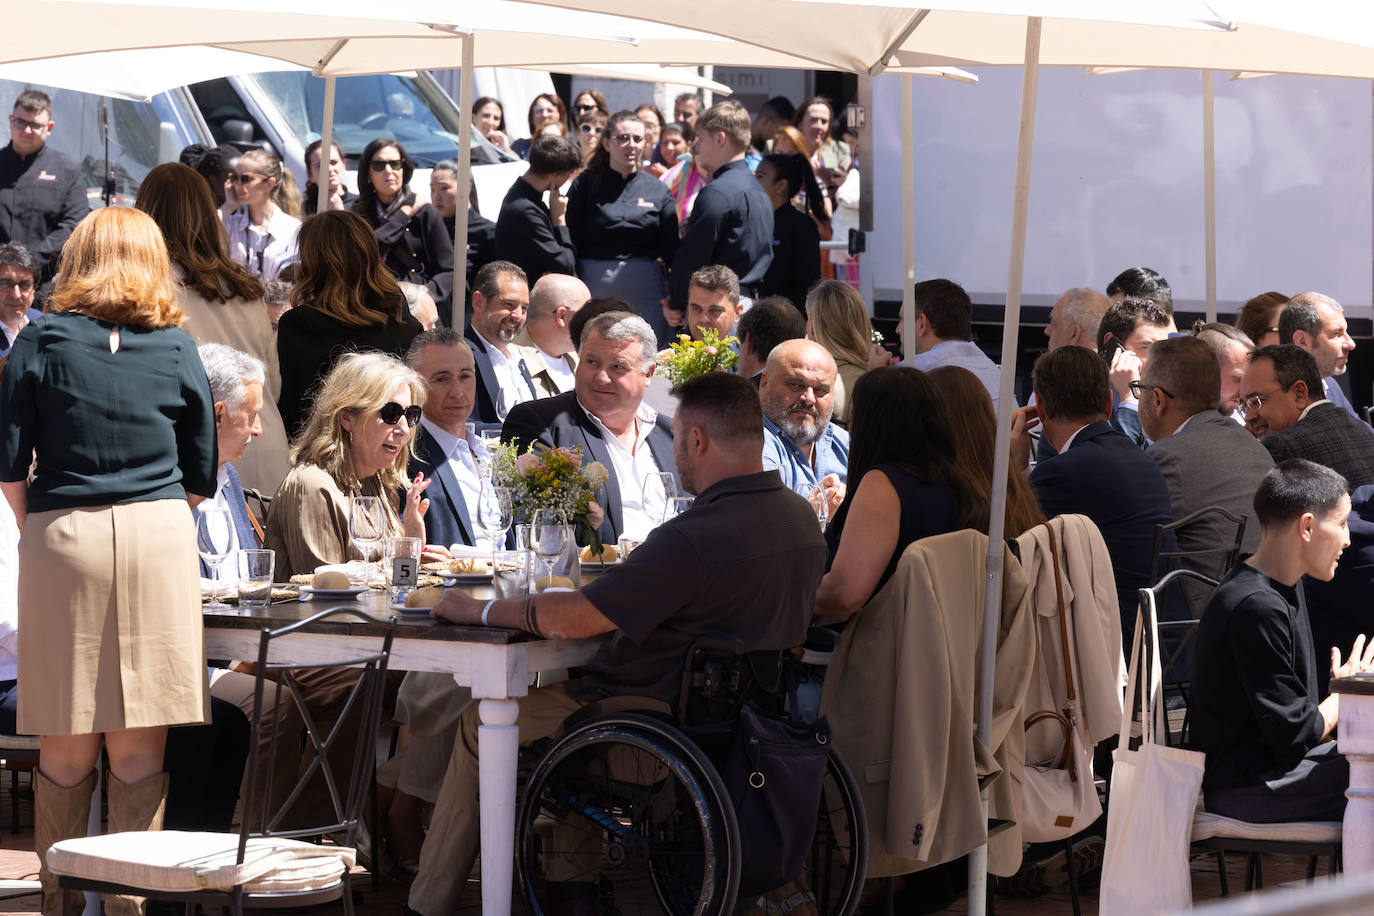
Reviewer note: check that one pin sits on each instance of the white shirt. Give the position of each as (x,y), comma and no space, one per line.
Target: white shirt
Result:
(263,253)
(963,353)
(559,370)
(10,334)
(1308,409)
(514,388)
(229,568)
(631,470)
(462,456)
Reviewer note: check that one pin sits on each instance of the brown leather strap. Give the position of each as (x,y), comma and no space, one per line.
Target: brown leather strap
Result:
(253,520)
(1071,708)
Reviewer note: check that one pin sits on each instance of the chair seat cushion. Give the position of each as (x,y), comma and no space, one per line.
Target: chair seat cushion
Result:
(179,861)
(19,742)
(1208,826)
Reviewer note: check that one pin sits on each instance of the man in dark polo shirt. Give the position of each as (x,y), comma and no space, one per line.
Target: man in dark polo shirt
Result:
(756,556)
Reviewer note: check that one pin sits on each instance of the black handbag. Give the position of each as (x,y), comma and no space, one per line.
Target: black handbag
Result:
(774,774)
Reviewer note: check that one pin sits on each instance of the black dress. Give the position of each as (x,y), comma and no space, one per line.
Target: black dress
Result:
(796,262)
(309,342)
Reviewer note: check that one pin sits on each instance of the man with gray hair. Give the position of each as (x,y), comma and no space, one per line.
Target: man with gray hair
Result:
(236,385)
(1075,318)
(1232,347)
(605,415)
(810,453)
(546,344)
(1317,324)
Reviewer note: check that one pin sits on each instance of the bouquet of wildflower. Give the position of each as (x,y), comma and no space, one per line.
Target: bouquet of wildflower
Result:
(689,358)
(550,478)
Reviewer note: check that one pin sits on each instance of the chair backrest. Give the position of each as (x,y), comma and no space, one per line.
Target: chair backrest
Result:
(1175,637)
(277,682)
(1220,556)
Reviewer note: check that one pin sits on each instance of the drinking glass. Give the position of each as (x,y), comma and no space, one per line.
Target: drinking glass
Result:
(549,537)
(255,577)
(367,527)
(494,510)
(510,577)
(819,505)
(213,529)
(677,505)
(659,487)
(394,549)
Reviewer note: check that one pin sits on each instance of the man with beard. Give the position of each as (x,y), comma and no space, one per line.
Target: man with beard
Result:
(1317,324)
(500,301)
(799,441)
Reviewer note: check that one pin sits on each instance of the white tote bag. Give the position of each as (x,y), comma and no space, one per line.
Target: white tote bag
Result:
(1154,794)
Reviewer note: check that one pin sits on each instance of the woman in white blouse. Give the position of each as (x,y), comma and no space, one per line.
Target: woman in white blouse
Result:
(262,233)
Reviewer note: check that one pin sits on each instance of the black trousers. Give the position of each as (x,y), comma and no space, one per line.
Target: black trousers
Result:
(1314,790)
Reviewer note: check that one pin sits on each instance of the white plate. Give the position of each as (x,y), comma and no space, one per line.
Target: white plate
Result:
(401,608)
(332,594)
(599,564)
(464,578)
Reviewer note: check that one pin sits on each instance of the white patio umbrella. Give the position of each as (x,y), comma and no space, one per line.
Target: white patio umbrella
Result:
(138,75)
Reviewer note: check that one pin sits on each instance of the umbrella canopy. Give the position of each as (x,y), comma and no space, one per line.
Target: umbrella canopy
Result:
(138,75)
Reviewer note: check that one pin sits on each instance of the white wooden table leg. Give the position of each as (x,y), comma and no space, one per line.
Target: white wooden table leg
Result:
(498,747)
(1355,739)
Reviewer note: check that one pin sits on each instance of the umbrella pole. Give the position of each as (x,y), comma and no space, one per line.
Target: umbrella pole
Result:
(460,211)
(1209,188)
(326,148)
(908,329)
(992,599)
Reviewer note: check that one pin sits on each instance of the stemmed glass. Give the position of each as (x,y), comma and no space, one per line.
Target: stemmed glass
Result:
(659,487)
(213,527)
(549,537)
(493,514)
(677,505)
(367,527)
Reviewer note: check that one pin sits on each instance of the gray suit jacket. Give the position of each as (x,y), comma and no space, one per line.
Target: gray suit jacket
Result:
(1212,461)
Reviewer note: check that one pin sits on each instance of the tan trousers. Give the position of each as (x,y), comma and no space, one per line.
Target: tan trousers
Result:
(454,832)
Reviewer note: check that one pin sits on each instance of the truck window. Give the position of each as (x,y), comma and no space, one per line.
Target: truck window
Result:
(230,120)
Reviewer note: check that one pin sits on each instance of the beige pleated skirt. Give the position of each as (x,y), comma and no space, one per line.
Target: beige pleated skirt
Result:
(110,630)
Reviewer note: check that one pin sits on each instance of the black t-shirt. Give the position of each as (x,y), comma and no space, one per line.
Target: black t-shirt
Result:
(1254,697)
(610,217)
(745,562)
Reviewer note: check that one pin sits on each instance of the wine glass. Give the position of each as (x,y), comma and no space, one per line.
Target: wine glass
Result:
(819,505)
(658,488)
(677,505)
(213,529)
(367,527)
(549,537)
(493,514)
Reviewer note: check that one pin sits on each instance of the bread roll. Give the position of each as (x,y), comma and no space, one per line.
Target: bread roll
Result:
(333,579)
(467,566)
(556,582)
(424,597)
(608,554)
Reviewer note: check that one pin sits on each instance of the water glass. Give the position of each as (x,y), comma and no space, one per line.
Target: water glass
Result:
(401,577)
(626,546)
(511,577)
(255,577)
(677,505)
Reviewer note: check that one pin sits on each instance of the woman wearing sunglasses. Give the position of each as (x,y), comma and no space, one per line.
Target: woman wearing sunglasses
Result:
(410,236)
(343,299)
(356,442)
(262,232)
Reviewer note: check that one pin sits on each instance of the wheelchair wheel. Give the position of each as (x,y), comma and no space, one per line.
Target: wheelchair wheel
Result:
(629,799)
(839,854)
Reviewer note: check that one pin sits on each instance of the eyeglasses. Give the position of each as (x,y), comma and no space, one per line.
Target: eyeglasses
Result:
(244,178)
(37,127)
(1256,401)
(7,285)
(380,165)
(591,129)
(627,139)
(391,412)
(1137,387)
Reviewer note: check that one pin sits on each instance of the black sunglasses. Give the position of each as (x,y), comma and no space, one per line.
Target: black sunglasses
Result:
(378,165)
(390,412)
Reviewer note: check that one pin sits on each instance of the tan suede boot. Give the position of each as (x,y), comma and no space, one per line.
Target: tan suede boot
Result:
(60,813)
(137,806)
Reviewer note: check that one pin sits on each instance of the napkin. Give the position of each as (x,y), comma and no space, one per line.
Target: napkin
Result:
(356,570)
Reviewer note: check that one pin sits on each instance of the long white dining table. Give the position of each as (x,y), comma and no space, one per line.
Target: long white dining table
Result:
(498,665)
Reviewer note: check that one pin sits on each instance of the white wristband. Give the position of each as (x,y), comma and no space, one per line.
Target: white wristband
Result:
(486,609)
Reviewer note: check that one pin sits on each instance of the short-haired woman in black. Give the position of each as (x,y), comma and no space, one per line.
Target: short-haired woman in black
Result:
(796,262)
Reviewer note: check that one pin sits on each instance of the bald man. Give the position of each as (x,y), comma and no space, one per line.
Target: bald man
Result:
(799,441)
(545,344)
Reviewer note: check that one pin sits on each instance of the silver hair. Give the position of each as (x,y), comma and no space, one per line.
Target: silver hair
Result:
(229,371)
(618,327)
(1085,306)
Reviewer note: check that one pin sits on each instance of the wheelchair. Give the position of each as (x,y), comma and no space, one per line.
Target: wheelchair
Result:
(632,799)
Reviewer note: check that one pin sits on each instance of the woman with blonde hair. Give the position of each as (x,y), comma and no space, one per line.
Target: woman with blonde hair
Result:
(837,320)
(262,233)
(223,302)
(343,299)
(107,395)
(975,429)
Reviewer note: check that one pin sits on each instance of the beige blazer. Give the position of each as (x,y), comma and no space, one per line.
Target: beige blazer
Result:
(901,698)
(245,326)
(544,383)
(308,522)
(1094,625)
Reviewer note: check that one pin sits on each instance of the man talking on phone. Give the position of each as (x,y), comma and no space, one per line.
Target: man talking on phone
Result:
(1123,339)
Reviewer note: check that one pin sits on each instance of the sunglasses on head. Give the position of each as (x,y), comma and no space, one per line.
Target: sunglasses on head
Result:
(391,412)
(378,165)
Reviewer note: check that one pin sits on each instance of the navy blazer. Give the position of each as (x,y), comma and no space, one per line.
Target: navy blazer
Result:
(447,520)
(561,421)
(484,407)
(31,314)
(238,511)
(1104,476)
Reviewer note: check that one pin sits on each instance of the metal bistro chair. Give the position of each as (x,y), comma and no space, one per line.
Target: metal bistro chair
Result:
(269,867)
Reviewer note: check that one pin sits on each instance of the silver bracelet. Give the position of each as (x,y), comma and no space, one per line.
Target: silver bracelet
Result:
(486,609)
